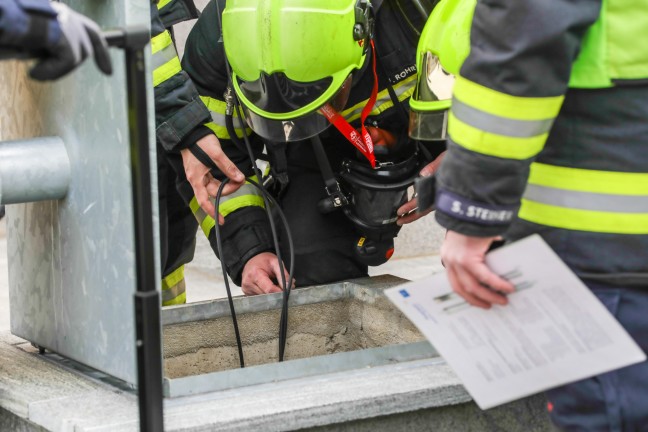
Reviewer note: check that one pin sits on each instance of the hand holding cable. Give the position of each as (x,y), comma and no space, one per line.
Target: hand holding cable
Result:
(261,275)
(197,165)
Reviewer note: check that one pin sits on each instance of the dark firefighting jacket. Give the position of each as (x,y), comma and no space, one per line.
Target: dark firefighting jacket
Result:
(179,112)
(549,130)
(246,232)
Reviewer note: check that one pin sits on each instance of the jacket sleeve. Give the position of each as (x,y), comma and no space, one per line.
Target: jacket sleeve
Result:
(510,89)
(246,231)
(28,25)
(179,112)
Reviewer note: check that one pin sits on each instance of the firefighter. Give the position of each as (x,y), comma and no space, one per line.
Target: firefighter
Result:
(179,117)
(547,134)
(315,44)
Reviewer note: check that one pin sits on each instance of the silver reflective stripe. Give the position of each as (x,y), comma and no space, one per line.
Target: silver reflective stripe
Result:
(174,291)
(382,100)
(163,56)
(499,125)
(586,200)
(219,119)
(200,214)
(246,189)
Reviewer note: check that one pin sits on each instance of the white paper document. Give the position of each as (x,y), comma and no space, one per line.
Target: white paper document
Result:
(552,332)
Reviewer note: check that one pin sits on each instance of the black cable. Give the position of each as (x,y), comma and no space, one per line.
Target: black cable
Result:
(285,285)
(286,290)
(219,247)
(267,198)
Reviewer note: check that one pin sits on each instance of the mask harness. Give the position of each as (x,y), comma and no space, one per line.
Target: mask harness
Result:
(369,195)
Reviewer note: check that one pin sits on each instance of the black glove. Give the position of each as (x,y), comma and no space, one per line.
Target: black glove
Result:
(80,37)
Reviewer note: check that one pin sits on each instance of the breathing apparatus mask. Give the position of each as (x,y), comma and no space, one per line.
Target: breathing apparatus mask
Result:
(373,196)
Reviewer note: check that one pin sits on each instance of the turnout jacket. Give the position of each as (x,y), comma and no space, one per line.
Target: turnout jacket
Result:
(179,112)
(549,131)
(246,231)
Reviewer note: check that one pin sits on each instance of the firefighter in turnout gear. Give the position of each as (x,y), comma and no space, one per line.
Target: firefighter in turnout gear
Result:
(548,131)
(288,64)
(179,117)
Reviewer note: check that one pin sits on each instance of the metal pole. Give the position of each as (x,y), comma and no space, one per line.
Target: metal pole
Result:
(34,169)
(147,297)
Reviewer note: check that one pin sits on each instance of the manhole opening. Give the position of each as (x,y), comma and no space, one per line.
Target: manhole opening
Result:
(341,325)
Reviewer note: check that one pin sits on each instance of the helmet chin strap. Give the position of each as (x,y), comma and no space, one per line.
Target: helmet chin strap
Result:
(363,141)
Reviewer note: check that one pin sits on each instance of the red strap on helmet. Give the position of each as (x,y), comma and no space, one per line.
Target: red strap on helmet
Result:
(363,141)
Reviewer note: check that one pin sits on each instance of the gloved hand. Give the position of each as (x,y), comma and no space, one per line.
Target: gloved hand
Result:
(80,37)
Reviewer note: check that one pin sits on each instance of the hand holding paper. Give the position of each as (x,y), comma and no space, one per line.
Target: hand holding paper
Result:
(553,331)
(470,277)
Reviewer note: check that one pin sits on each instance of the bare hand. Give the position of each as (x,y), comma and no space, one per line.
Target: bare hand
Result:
(408,212)
(261,275)
(202,182)
(470,277)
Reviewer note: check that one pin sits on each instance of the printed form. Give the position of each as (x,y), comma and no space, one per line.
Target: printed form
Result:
(552,332)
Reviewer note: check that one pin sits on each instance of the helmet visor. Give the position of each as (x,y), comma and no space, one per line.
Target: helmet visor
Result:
(300,128)
(278,94)
(431,101)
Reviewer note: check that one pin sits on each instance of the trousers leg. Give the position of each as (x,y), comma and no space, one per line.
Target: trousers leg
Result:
(177,234)
(618,400)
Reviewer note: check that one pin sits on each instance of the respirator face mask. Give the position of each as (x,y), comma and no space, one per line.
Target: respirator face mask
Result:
(370,197)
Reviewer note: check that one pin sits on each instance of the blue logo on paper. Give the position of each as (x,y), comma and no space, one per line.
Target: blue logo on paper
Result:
(404,293)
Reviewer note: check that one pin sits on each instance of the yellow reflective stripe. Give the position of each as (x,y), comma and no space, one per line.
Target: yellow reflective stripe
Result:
(584,220)
(604,182)
(239,202)
(504,105)
(181,299)
(161,41)
(220,131)
(403,90)
(173,288)
(217,108)
(173,278)
(491,144)
(247,195)
(166,71)
(161,57)
(163,3)
(206,222)
(215,105)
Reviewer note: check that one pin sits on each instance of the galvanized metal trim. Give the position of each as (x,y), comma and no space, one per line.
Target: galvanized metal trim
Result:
(301,368)
(366,289)
(220,308)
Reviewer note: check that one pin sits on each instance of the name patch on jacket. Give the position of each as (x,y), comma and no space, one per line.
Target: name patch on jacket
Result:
(401,75)
(473,211)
